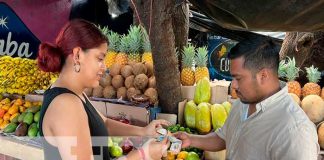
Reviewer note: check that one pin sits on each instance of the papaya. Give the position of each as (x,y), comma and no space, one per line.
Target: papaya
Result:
(190,114)
(33,109)
(32,130)
(21,130)
(218,115)
(14,117)
(202,91)
(11,127)
(228,107)
(37,117)
(203,118)
(29,118)
(21,117)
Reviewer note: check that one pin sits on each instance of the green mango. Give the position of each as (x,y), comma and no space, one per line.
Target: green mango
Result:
(219,115)
(190,114)
(21,117)
(202,91)
(32,130)
(29,118)
(37,117)
(203,118)
(11,127)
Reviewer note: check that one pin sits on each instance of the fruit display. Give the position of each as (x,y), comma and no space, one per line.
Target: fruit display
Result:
(312,87)
(187,74)
(19,117)
(132,82)
(22,76)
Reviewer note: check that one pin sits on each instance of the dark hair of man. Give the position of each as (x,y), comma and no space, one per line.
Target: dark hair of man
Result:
(258,54)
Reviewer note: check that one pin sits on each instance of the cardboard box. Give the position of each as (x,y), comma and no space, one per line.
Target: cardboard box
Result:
(188,92)
(219,91)
(172,118)
(138,116)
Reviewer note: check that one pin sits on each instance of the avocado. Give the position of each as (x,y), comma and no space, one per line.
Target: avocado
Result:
(33,109)
(21,129)
(11,127)
(37,117)
(21,117)
(29,118)
(32,130)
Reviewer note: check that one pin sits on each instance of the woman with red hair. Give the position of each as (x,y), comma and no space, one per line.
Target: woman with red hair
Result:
(68,119)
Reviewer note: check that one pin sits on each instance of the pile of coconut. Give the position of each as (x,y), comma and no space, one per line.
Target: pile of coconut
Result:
(126,82)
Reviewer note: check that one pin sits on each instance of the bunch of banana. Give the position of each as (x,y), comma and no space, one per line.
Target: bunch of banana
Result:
(22,76)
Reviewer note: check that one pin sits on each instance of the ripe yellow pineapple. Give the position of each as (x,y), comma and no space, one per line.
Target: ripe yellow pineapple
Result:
(291,73)
(312,87)
(113,39)
(121,57)
(147,55)
(201,61)
(135,44)
(187,74)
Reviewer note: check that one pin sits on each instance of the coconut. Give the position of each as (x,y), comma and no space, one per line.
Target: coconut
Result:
(117,81)
(97,92)
(150,71)
(126,71)
(131,92)
(88,92)
(141,81)
(152,94)
(115,69)
(105,80)
(122,93)
(109,92)
(313,105)
(129,81)
(295,97)
(152,82)
(139,68)
(320,132)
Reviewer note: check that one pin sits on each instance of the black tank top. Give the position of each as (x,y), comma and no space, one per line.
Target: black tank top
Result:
(96,125)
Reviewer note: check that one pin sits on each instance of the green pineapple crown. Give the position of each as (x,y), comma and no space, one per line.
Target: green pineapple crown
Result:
(290,71)
(146,40)
(135,39)
(104,30)
(282,69)
(313,74)
(201,57)
(124,44)
(188,55)
(114,41)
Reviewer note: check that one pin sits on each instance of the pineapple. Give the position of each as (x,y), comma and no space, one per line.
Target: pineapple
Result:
(147,55)
(312,87)
(113,38)
(187,74)
(201,61)
(121,57)
(291,73)
(135,44)
(322,93)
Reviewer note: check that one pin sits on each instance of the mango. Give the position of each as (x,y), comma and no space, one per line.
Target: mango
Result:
(32,130)
(11,127)
(6,116)
(219,115)
(37,117)
(33,109)
(21,117)
(203,118)
(4,124)
(12,110)
(29,118)
(21,130)
(202,91)
(190,114)
(14,117)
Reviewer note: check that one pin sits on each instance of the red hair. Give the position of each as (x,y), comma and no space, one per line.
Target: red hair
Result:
(76,33)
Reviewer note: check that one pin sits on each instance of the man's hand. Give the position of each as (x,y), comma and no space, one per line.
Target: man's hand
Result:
(184,137)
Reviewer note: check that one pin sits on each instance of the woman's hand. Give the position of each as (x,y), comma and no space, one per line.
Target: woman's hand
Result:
(150,129)
(154,150)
